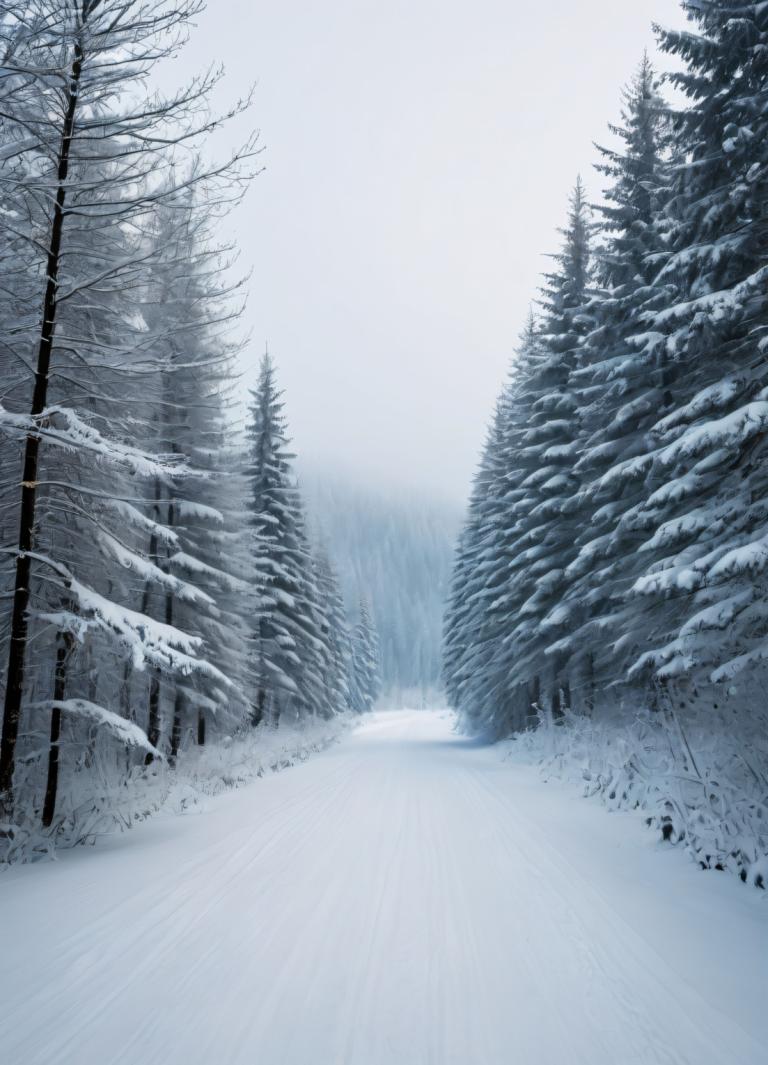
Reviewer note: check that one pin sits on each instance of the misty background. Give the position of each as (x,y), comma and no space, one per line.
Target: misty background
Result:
(418,156)
(417,159)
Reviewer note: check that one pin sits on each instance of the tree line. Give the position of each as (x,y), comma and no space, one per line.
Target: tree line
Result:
(616,543)
(157,582)
(398,548)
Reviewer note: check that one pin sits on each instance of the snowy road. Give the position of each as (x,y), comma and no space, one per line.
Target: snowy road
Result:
(404,898)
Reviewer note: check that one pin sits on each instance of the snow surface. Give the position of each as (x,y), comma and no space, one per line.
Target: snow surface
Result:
(406,897)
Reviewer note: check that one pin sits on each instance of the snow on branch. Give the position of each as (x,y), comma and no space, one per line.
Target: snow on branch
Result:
(126,731)
(64,428)
(194,565)
(148,571)
(732,430)
(188,508)
(149,642)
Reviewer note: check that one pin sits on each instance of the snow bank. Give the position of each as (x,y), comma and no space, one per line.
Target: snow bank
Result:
(207,771)
(103,801)
(697,780)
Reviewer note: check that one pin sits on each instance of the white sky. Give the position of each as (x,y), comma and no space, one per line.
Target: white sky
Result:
(418,158)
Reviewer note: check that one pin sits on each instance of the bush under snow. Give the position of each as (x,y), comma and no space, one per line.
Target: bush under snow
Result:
(698,781)
(102,801)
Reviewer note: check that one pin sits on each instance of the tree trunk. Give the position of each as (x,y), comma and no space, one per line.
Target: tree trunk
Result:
(557,701)
(125,691)
(179,705)
(200,728)
(19,619)
(534,702)
(153,707)
(63,652)
(566,695)
(591,684)
(153,716)
(179,701)
(257,714)
(89,757)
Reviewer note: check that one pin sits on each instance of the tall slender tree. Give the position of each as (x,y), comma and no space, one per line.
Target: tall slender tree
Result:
(623,382)
(366,668)
(85,153)
(289,645)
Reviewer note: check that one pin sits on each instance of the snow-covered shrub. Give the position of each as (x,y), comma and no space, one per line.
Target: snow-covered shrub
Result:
(207,771)
(111,797)
(698,780)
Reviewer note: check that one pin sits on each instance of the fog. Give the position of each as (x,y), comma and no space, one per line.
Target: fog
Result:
(418,155)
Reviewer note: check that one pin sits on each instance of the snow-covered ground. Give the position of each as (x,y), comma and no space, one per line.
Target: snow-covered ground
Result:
(403,898)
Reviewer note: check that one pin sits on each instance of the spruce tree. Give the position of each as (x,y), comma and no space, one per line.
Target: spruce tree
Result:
(622,383)
(336,635)
(466,607)
(700,602)
(288,642)
(541,518)
(483,597)
(366,670)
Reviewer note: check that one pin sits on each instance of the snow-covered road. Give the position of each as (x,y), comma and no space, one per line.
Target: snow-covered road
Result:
(403,898)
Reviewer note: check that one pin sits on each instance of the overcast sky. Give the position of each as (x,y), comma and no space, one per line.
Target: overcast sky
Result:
(418,157)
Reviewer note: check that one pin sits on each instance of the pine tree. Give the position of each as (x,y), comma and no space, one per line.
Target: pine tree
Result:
(85,164)
(190,310)
(541,517)
(700,602)
(336,635)
(479,616)
(397,550)
(365,685)
(288,642)
(466,610)
(622,383)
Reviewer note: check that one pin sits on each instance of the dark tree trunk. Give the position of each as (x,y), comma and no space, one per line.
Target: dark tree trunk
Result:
(179,706)
(125,691)
(200,729)
(19,619)
(153,706)
(557,701)
(257,714)
(63,651)
(535,701)
(153,716)
(591,686)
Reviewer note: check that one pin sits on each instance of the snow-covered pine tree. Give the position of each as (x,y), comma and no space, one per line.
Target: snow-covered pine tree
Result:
(661,489)
(319,681)
(480,619)
(337,636)
(397,550)
(189,311)
(510,572)
(465,609)
(623,383)
(701,602)
(289,644)
(365,684)
(84,160)
(541,517)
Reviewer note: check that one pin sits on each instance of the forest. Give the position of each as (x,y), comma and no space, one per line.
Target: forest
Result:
(396,549)
(611,575)
(160,588)
(383,667)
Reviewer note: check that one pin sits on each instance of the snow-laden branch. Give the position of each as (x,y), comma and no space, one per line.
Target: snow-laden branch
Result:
(126,731)
(64,428)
